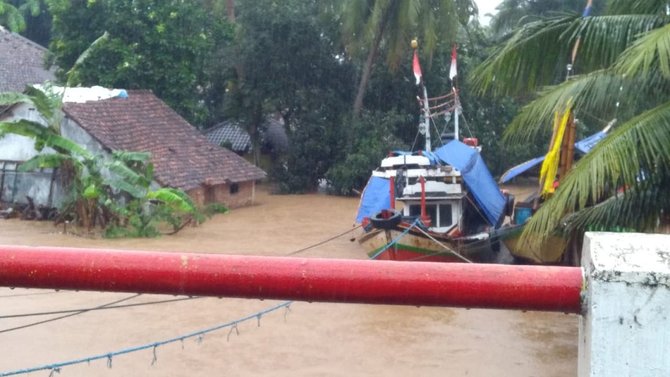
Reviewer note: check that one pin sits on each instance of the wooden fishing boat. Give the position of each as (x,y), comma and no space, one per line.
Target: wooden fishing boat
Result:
(440,205)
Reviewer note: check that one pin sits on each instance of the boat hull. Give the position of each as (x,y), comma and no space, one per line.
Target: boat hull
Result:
(419,248)
(550,252)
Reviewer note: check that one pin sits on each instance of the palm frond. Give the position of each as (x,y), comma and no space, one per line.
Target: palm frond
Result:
(119,184)
(25,128)
(528,60)
(537,53)
(127,156)
(127,174)
(48,161)
(174,198)
(604,38)
(595,91)
(12,98)
(648,55)
(636,148)
(84,55)
(636,6)
(640,208)
(45,105)
(65,145)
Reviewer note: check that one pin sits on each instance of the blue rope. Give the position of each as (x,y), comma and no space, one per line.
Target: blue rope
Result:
(393,242)
(108,356)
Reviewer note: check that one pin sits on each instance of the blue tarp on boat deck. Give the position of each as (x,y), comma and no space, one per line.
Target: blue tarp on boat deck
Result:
(584,146)
(520,169)
(376,197)
(477,178)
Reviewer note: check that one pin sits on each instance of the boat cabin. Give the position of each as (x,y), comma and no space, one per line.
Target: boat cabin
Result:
(441,187)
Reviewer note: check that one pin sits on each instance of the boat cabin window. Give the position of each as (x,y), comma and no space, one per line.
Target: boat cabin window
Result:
(445,215)
(445,218)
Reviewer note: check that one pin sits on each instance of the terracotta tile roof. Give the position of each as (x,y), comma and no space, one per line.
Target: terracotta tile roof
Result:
(21,62)
(182,156)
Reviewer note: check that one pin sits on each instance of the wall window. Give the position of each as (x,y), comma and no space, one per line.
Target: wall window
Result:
(234,189)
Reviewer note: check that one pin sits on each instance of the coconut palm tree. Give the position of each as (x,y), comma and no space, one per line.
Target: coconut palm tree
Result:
(622,70)
(369,25)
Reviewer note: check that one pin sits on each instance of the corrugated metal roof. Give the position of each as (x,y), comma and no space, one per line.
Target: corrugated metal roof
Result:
(229,134)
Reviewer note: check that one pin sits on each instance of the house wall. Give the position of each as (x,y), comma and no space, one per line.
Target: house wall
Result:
(204,195)
(71,130)
(15,147)
(15,186)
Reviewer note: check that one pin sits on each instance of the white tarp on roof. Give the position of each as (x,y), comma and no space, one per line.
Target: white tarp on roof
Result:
(82,95)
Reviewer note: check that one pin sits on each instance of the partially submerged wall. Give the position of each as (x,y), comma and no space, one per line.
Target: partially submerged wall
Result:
(232,195)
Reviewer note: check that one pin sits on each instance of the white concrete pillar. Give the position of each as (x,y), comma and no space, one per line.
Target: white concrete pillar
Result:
(625,327)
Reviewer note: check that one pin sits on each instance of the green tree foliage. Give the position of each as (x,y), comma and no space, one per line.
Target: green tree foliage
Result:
(286,61)
(31,18)
(12,13)
(369,27)
(622,68)
(166,46)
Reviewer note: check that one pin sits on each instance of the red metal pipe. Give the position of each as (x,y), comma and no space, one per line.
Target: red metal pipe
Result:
(305,279)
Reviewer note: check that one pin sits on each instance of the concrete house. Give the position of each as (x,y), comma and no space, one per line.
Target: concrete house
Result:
(139,121)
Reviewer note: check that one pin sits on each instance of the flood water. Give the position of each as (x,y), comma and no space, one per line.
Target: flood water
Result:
(312,339)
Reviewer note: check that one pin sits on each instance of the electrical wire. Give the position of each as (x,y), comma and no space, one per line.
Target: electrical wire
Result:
(29,294)
(66,316)
(36,314)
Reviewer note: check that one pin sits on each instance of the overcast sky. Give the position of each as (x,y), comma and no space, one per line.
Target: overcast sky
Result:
(486,6)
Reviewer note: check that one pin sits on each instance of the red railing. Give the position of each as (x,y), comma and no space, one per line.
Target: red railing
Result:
(538,288)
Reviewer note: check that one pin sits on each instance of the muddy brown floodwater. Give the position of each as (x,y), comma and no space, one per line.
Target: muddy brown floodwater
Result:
(312,339)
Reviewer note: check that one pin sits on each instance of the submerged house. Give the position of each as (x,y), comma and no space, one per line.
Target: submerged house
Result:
(139,121)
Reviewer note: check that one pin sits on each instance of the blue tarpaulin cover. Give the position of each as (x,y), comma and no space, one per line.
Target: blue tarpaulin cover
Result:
(520,169)
(477,178)
(376,197)
(584,146)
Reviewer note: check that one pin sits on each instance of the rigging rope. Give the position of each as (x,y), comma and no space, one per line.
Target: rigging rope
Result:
(448,249)
(323,242)
(395,240)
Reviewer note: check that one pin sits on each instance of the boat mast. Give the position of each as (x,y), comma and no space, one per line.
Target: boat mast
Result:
(426,118)
(453,73)
(456,108)
(424,127)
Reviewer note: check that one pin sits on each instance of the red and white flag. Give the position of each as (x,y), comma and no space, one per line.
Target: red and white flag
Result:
(416,67)
(453,70)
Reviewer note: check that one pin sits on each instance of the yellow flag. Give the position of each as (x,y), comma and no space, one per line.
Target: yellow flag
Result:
(553,157)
